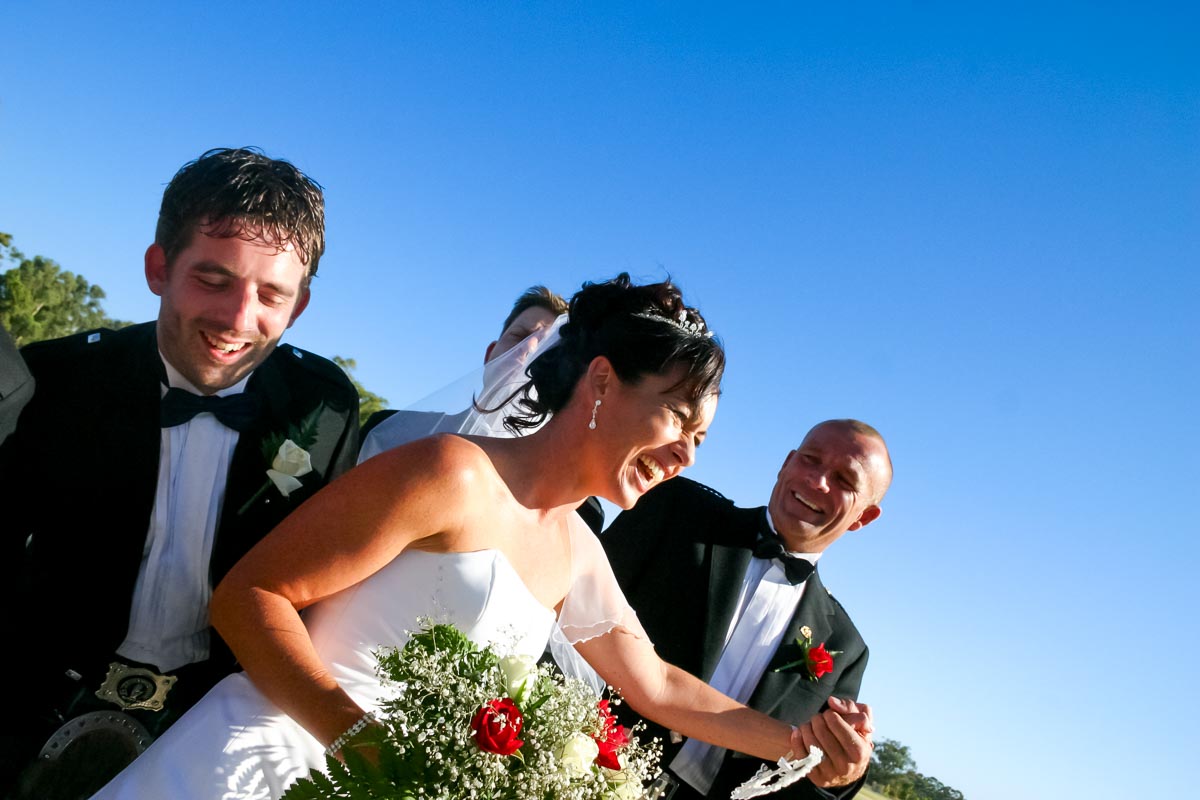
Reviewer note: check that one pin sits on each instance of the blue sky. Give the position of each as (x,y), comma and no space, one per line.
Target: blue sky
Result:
(975,227)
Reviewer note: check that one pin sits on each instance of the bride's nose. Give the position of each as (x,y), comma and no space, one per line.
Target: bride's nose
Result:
(685,451)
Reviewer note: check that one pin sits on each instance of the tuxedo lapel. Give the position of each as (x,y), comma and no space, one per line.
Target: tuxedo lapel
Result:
(248,468)
(815,612)
(268,383)
(727,571)
(249,510)
(134,433)
(731,553)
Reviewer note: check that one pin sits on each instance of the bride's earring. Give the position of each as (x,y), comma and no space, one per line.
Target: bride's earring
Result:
(592,424)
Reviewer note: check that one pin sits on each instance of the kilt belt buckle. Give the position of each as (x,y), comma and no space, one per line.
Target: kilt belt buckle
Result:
(135,687)
(663,787)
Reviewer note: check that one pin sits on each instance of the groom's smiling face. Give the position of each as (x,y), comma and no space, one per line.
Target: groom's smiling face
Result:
(831,484)
(225,302)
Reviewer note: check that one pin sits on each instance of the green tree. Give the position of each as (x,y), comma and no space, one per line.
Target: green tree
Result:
(39,300)
(894,773)
(368,401)
(889,760)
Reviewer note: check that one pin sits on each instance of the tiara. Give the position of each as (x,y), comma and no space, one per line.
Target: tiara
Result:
(681,321)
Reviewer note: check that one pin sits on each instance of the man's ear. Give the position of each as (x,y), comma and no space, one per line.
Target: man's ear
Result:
(487,354)
(869,515)
(787,459)
(156,269)
(301,304)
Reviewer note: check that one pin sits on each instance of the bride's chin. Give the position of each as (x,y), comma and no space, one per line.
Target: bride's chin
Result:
(626,495)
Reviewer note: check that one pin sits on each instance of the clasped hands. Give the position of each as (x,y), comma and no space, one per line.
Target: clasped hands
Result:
(843,732)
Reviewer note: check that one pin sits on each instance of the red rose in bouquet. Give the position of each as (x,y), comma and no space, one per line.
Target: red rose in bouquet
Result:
(612,737)
(496,726)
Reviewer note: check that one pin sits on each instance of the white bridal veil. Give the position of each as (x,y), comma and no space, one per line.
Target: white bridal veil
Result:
(455,408)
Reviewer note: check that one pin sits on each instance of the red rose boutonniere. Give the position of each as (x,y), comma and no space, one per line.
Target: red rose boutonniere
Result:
(817,660)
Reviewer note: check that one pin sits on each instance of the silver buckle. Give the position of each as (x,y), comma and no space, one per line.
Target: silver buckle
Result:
(135,687)
(662,787)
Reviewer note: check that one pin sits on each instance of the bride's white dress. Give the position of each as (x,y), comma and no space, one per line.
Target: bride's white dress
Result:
(236,744)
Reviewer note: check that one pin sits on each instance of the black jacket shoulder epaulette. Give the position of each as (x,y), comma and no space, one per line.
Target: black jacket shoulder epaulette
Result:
(835,601)
(686,487)
(319,366)
(85,344)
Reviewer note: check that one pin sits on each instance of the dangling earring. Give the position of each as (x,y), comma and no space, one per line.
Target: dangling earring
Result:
(592,424)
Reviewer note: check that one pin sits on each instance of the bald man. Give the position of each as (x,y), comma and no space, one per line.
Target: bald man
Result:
(733,596)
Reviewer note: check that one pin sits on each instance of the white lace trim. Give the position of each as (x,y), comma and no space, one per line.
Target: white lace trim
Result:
(767,780)
(627,621)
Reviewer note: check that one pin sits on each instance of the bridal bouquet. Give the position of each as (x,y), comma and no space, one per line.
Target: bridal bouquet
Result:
(468,722)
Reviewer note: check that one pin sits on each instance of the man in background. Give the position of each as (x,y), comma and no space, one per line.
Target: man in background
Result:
(534,311)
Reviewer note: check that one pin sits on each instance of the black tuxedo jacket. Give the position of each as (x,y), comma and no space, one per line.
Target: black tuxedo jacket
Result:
(79,478)
(680,556)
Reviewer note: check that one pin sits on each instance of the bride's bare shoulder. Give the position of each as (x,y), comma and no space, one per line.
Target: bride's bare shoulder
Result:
(445,459)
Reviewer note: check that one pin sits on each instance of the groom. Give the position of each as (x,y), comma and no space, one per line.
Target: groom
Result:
(732,595)
(138,474)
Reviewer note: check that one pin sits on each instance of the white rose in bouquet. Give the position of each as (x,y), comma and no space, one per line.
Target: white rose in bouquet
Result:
(622,786)
(578,753)
(520,674)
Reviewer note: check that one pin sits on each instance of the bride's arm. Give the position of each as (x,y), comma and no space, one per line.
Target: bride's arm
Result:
(606,632)
(680,701)
(342,535)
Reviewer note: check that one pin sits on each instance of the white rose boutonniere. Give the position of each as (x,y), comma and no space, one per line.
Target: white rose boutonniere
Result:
(291,462)
(288,458)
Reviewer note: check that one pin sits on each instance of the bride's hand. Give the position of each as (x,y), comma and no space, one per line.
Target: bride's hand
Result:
(365,744)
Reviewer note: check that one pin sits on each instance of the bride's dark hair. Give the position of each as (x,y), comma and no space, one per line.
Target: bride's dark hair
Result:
(641,330)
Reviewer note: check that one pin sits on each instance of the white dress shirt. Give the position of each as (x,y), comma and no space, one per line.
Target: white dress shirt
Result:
(168,624)
(766,604)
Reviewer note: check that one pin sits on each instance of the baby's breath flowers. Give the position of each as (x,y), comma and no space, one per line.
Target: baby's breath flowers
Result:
(468,722)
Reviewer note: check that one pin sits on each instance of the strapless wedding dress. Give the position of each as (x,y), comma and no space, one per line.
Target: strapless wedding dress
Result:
(237,745)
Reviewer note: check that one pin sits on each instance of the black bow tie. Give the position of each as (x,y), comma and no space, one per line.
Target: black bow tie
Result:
(770,546)
(235,411)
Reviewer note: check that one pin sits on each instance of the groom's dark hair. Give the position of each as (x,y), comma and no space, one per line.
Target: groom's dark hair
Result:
(243,193)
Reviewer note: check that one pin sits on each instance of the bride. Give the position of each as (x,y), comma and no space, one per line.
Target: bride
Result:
(480,532)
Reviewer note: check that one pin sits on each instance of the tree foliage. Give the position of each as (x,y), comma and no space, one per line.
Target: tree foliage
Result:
(890,759)
(368,401)
(40,300)
(894,773)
